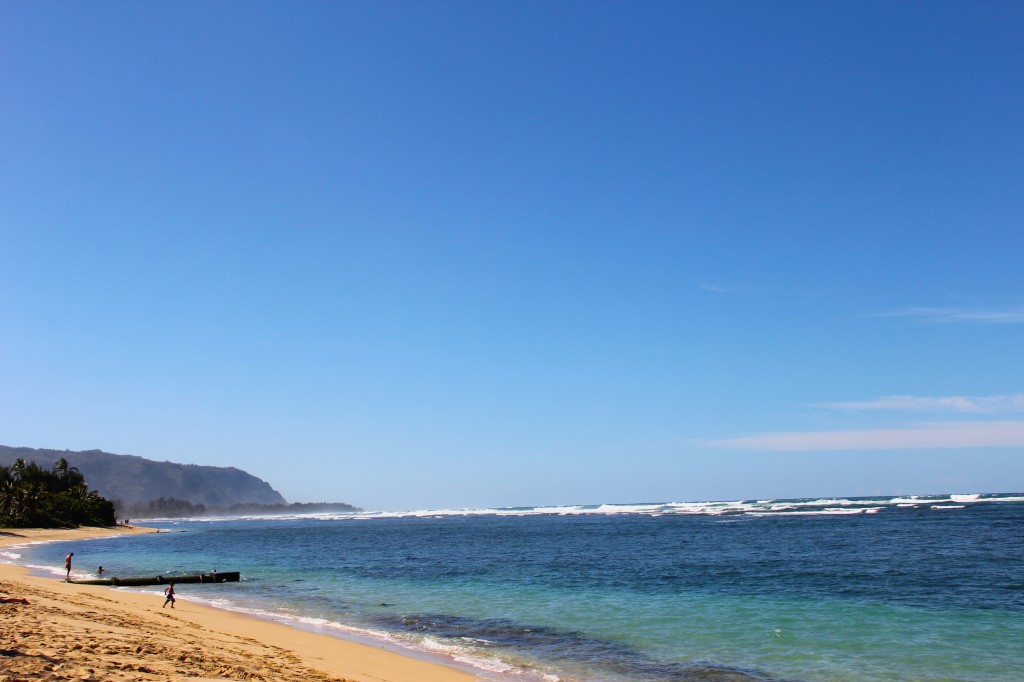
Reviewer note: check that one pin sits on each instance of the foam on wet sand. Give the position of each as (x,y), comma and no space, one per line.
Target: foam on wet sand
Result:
(85,632)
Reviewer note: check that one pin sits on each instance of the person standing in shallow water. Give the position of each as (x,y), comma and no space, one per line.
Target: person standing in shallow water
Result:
(170,596)
(67,565)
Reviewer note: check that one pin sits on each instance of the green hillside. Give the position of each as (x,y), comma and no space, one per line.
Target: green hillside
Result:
(133,480)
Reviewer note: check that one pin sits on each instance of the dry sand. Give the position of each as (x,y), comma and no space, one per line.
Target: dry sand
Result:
(87,632)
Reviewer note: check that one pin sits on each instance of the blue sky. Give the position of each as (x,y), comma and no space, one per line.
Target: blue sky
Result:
(456,254)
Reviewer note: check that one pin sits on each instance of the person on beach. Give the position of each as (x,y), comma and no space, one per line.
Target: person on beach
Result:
(67,565)
(99,571)
(170,595)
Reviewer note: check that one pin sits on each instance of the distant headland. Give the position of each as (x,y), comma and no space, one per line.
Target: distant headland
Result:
(143,488)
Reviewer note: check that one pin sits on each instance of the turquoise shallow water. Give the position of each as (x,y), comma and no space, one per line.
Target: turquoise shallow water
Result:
(873,589)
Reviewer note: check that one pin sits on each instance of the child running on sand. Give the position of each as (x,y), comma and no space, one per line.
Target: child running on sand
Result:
(170,595)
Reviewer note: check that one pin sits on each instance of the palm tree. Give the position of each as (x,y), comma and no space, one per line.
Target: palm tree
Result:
(34,496)
(18,468)
(7,491)
(65,477)
(27,500)
(60,468)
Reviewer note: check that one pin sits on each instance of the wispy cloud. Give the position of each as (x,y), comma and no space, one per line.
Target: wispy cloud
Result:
(995,404)
(764,290)
(931,435)
(728,290)
(1012,315)
(977,433)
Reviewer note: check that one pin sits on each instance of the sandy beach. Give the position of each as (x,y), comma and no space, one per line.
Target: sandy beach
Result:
(83,632)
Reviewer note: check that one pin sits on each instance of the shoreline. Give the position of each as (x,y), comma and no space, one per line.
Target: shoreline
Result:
(89,632)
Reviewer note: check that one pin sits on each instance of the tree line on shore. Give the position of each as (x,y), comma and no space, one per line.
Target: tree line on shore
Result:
(34,497)
(172,508)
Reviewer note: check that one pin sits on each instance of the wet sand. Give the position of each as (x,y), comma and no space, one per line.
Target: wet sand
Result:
(86,632)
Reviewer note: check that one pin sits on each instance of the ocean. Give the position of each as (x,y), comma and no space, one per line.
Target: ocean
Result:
(923,588)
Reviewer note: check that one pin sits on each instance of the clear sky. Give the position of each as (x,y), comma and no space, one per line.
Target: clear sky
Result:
(447,254)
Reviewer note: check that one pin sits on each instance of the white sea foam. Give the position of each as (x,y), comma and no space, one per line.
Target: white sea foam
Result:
(908,500)
(761,507)
(489,665)
(821,506)
(626,508)
(469,655)
(1008,498)
(58,571)
(476,652)
(837,511)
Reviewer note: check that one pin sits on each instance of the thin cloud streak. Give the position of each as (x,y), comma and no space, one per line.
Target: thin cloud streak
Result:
(729,291)
(937,435)
(724,290)
(960,315)
(908,403)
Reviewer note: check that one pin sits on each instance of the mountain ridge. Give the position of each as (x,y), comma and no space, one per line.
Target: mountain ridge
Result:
(131,479)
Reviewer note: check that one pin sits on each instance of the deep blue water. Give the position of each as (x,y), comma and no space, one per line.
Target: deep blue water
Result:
(880,589)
